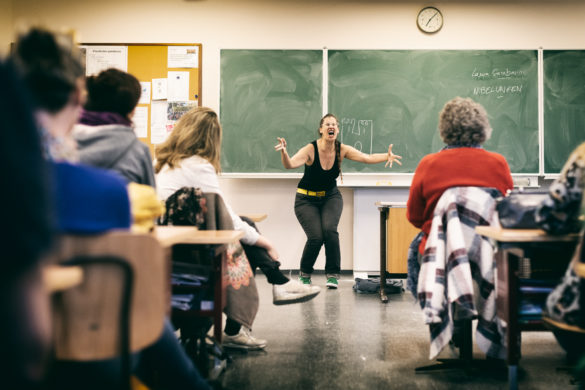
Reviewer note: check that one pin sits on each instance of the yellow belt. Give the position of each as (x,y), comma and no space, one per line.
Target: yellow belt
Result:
(310,193)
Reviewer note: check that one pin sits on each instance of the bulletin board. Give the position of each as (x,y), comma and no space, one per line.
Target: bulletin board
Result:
(150,62)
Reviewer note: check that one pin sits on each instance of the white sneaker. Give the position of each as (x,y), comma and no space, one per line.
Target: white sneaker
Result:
(293,291)
(243,340)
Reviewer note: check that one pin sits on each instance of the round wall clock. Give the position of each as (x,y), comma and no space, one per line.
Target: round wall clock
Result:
(429,20)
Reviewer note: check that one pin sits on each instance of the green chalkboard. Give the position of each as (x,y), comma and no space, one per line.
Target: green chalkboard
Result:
(395,96)
(266,94)
(564,105)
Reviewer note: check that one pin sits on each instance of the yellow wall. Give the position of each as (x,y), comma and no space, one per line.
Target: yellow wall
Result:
(6,29)
(304,24)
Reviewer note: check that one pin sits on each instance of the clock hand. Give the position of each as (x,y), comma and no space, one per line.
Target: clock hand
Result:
(431,18)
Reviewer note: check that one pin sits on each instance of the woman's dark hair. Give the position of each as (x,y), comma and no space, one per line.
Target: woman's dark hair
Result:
(112,90)
(50,67)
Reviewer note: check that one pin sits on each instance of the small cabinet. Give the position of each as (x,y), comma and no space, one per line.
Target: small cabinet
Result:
(399,235)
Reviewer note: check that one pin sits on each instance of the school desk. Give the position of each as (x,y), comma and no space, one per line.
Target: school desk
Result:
(512,244)
(256,217)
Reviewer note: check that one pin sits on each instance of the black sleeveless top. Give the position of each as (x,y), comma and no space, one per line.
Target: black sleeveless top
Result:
(316,178)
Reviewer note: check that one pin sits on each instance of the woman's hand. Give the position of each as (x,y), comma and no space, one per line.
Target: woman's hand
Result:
(265,243)
(281,146)
(392,158)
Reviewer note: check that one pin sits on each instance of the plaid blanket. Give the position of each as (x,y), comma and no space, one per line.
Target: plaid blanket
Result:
(457,273)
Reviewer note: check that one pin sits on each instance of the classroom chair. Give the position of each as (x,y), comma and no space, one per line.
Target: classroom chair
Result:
(120,306)
(207,211)
(456,265)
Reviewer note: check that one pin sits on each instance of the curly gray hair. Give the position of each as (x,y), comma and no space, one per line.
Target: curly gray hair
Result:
(464,122)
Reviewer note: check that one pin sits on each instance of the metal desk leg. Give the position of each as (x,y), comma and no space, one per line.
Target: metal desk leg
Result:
(507,261)
(513,377)
(383,248)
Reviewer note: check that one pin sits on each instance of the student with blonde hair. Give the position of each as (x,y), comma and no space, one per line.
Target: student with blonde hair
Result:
(190,157)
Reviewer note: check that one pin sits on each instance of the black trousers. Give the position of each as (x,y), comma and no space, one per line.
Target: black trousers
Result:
(259,258)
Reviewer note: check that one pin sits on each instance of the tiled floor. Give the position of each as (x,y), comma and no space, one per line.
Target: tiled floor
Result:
(345,340)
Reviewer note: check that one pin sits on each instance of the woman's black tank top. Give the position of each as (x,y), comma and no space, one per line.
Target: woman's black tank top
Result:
(316,178)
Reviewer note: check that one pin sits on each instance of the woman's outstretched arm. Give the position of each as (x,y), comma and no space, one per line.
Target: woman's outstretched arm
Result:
(353,154)
(303,156)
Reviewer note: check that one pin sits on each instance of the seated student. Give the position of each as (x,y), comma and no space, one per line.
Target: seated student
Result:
(562,212)
(26,235)
(464,127)
(87,200)
(105,136)
(190,157)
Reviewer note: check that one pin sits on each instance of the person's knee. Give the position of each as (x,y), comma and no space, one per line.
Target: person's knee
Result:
(315,240)
(331,234)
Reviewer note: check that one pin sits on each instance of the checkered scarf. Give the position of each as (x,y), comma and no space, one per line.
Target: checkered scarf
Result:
(457,273)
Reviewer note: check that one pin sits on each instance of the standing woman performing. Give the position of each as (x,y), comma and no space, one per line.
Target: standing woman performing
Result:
(318,202)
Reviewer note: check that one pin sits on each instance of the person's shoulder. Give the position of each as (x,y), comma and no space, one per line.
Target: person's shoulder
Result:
(83,174)
(496,156)
(428,158)
(143,148)
(195,161)
(195,166)
(89,199)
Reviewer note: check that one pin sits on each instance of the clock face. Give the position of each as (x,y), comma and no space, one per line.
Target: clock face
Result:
(429,20)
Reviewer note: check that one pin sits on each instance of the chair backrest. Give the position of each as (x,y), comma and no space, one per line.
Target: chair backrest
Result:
(87,317)
(456,259)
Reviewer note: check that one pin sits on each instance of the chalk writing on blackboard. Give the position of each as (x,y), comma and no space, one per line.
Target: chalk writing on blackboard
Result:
(358,133)
(498,74)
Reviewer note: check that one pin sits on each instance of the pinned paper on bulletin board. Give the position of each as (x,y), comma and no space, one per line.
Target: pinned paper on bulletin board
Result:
(183,57)
(98,58)
(144,92)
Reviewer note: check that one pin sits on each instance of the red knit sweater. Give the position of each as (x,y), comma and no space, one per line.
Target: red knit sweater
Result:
(457,167)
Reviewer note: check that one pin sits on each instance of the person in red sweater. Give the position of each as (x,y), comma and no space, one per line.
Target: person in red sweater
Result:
(464,127)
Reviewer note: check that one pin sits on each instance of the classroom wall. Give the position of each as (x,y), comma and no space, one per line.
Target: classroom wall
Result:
(305,24)
(6,29)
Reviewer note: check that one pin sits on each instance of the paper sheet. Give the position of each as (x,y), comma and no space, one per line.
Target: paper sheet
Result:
(178,86)
(140,120)
(144,92)
(159,89)
(183,57)
(175,110)
(158,121)
(98,58)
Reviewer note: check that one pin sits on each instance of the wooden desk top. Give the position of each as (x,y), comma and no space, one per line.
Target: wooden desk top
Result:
(255,217)
(59,278)
(580,269)
(171,235)
(390,204)
(523,235)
